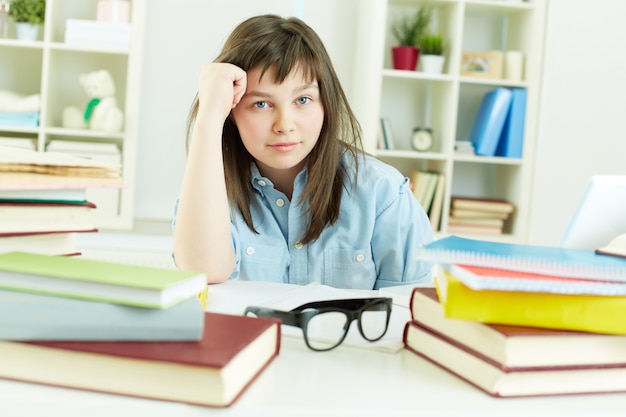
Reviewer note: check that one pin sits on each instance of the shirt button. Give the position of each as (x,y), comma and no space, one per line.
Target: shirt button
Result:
(250,250)
(280,202)
(298,245)
(360,257)
(262,183)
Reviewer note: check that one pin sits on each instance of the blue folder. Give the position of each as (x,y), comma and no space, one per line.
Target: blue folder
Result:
(489,121)
(512,137)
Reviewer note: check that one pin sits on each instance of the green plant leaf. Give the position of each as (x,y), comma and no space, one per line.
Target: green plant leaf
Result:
(408,29)
(28,11)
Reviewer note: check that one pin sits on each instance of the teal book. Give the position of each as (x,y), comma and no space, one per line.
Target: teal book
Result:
(89,279)
(489,121)
(512,138)
(44,195)
(548,260)
(27,316)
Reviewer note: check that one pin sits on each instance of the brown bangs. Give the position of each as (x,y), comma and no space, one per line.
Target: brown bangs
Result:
(279,44)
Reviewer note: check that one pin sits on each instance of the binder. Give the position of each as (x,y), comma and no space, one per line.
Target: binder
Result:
(489,121)
(511,140)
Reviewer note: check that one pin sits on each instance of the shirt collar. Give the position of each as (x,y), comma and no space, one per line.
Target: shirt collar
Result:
(260,183)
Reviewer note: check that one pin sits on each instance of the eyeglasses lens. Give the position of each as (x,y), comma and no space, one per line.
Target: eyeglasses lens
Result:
(326,330)
(374,321)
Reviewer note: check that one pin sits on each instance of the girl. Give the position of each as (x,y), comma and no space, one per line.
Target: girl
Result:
(276,186)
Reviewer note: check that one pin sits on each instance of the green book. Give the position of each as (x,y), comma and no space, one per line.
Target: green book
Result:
(98,280)
(28,316)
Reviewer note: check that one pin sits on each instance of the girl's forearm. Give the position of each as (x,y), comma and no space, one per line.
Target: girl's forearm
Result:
(202,238)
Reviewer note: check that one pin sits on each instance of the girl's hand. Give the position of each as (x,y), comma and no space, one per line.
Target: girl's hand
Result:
(220,88)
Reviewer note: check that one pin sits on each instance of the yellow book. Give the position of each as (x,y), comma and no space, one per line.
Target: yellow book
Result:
(589,313)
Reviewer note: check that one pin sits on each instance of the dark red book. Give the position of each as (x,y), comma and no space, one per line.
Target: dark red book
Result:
(212,372)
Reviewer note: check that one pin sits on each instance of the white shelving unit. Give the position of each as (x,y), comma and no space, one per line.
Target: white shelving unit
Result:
(51,68)
(466,25)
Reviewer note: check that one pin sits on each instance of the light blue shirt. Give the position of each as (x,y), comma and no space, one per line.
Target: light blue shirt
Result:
(371,245)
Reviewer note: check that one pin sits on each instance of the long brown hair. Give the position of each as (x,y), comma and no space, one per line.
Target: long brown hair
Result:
(288,44)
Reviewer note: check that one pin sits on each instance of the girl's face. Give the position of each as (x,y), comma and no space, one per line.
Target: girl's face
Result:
(279,124)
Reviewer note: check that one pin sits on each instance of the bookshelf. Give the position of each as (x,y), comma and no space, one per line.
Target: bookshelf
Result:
(466,26)
(51,68)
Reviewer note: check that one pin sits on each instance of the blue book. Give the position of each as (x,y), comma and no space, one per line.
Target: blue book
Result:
(489,121)
(512,138)
(29,316)
(548,260)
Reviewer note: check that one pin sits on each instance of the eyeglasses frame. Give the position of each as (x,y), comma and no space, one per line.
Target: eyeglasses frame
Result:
(353,309)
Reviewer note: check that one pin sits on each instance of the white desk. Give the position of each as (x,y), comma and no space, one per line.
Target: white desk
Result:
(343,382)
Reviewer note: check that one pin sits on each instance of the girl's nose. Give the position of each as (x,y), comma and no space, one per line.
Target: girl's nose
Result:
(285,122)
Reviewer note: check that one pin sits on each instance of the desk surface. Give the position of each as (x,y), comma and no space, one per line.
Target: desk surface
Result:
(345,382)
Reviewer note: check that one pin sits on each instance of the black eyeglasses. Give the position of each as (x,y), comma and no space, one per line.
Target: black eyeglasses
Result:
(325,324)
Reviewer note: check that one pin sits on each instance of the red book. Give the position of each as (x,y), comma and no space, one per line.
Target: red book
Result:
(212,372)
(511,361)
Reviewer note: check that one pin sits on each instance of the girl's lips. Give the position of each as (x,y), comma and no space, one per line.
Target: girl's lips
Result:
(284,147)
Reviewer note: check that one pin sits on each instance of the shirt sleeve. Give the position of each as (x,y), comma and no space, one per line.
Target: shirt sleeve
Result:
(401,228)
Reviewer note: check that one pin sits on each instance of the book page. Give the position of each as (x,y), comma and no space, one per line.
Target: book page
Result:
(234,296)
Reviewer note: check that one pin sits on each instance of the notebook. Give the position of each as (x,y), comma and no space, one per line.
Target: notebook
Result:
(549,260)
(600,215)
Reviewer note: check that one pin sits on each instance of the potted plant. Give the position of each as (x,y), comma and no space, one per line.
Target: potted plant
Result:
(28,16)
(431,47)
(407,31)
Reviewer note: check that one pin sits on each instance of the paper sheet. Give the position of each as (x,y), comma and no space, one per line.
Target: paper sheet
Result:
(234,296)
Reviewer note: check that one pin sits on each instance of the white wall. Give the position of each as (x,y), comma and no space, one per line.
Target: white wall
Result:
(180,37)
(583,109)
(583,103)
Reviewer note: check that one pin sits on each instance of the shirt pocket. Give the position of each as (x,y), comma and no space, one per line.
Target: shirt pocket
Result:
(262,263)
(349,268)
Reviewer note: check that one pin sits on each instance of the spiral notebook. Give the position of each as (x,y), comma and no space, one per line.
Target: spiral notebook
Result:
(549,260)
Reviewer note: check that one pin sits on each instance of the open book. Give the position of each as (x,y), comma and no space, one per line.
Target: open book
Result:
(234,296)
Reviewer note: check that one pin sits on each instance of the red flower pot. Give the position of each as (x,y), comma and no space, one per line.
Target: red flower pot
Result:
(405,57)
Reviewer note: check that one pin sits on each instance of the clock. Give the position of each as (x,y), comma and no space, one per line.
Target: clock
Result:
(422,139)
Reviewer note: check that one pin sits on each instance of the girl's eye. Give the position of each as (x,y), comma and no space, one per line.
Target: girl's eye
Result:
(260,104)
(303,100)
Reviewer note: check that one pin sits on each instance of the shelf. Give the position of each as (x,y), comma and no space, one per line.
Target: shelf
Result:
(401,97)
(51,69)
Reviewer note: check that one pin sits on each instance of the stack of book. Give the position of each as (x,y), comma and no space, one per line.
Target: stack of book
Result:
(97,33)
(106,198)
(125,329)
(43,200)
(478,216)
(428,189)
(523,320)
